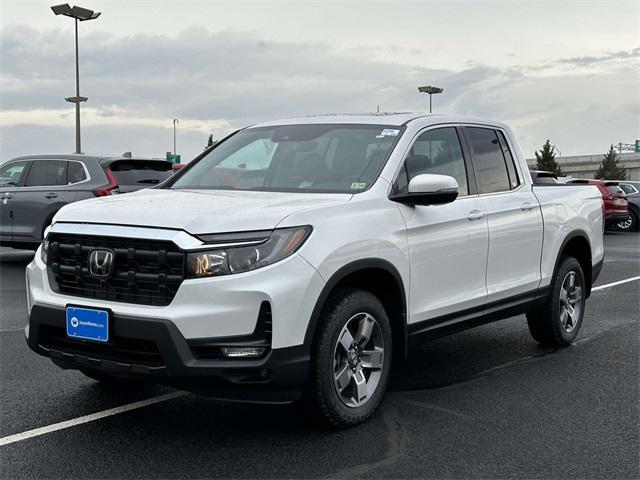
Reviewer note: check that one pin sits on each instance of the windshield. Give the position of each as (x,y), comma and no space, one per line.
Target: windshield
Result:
(295,158)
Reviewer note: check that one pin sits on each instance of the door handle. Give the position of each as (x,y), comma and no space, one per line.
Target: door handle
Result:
(51,195)
(527,206)
(475,214)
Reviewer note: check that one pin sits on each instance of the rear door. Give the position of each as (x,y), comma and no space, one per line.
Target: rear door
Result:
(11,177)
(514,215)
(41,195)
(132,175)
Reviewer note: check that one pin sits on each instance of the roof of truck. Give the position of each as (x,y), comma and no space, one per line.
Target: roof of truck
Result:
(383,118)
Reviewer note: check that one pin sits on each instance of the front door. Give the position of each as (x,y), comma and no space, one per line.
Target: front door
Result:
(11,177)
(41,195)
(447,243)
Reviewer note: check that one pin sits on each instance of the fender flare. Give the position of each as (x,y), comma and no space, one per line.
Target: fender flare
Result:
(579,233)
(343,272)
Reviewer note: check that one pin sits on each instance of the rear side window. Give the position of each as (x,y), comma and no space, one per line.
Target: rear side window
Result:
(514,181)
(489,162)
(75,173)
(628,189)
(47,173)
(140,172)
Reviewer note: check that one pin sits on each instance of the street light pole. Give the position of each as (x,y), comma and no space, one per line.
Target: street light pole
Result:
(78,148)
(78,14)
(175,121)
(431,91)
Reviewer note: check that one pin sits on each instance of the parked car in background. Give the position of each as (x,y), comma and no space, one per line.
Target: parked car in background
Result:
(541,177)
(34,188)
(616,207)
(177,166)
(632,223)
(630,187)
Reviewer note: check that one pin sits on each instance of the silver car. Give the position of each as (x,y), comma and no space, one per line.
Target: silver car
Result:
(34,188)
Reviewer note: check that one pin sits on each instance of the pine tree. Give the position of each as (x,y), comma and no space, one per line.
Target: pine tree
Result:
(610,168)
(210,142)
(546,159)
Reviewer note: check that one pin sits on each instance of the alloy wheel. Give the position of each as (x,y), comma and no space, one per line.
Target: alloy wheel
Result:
(571,301)
(358,360)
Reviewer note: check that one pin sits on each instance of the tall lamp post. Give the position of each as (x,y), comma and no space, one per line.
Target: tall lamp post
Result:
(431,91)
(175,122)
(78,14)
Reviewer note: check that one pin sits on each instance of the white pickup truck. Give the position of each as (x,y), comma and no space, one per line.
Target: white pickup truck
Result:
(300,258)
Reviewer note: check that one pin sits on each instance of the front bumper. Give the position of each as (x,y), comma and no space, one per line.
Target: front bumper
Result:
(154,349)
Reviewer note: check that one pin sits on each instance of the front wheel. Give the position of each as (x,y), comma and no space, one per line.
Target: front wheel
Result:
(351,359)
(557,323)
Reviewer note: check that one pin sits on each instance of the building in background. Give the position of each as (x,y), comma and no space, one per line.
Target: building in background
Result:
(585,166)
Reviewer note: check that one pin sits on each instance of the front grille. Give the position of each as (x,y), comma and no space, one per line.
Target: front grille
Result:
(147,272)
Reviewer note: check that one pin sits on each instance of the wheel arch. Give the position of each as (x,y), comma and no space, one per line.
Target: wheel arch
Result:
(577,245)
(381,278)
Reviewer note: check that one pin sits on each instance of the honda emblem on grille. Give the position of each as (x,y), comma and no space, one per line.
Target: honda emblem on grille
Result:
(100,263)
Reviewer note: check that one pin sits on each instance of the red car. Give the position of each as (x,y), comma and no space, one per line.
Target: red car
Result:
(616,206)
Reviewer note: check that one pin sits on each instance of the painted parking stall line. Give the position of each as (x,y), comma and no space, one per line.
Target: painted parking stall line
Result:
(613,284)
(18,437)
(36,432)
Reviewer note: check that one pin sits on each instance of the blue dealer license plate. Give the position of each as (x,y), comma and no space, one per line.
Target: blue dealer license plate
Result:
(88,324)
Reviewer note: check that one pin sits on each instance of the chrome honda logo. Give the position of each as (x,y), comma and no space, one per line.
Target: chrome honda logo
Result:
(100,263)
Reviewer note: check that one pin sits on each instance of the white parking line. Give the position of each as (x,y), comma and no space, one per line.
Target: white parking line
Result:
(620,282)
(18,437)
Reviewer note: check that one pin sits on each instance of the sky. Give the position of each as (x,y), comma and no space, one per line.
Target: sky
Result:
(568,71)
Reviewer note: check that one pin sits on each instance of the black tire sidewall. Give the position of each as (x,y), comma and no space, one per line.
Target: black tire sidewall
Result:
(566,265)
(343,306)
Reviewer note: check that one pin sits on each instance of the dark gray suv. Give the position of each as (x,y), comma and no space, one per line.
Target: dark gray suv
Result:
(33,189)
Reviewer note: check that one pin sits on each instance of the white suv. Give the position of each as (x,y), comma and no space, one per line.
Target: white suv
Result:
(299,258)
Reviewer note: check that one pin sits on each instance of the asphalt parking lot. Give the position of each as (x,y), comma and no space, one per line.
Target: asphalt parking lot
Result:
(485,403)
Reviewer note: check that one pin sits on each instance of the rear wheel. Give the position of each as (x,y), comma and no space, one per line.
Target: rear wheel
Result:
(630,224)
(557,323)
(351,359)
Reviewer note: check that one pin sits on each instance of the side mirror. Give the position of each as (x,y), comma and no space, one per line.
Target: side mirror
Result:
(429,189)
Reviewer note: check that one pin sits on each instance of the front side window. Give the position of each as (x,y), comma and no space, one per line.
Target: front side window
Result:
(47,173)
(10,174)
(489,162)
(438,152)
(328,158)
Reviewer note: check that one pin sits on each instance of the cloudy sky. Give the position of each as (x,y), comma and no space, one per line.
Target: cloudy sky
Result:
(568,71)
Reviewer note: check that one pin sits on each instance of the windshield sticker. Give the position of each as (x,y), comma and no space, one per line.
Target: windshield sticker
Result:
(388,132)
(358,185)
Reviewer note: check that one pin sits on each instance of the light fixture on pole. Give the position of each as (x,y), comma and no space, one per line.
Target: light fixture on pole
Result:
(175,122)
(431,91)
(78,14)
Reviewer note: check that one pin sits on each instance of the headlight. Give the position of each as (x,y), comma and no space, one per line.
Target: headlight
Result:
(225,261)
(44,249)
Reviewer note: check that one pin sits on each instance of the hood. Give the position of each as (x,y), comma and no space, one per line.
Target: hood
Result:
(196,211)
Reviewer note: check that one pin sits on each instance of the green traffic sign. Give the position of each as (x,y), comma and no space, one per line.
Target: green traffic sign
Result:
(637,146)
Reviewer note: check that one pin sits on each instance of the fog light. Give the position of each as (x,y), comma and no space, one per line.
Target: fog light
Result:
(243,352)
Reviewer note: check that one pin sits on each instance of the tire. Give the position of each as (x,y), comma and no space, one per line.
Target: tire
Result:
(629,225)
(335,393)
(113,381)
(553,325)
